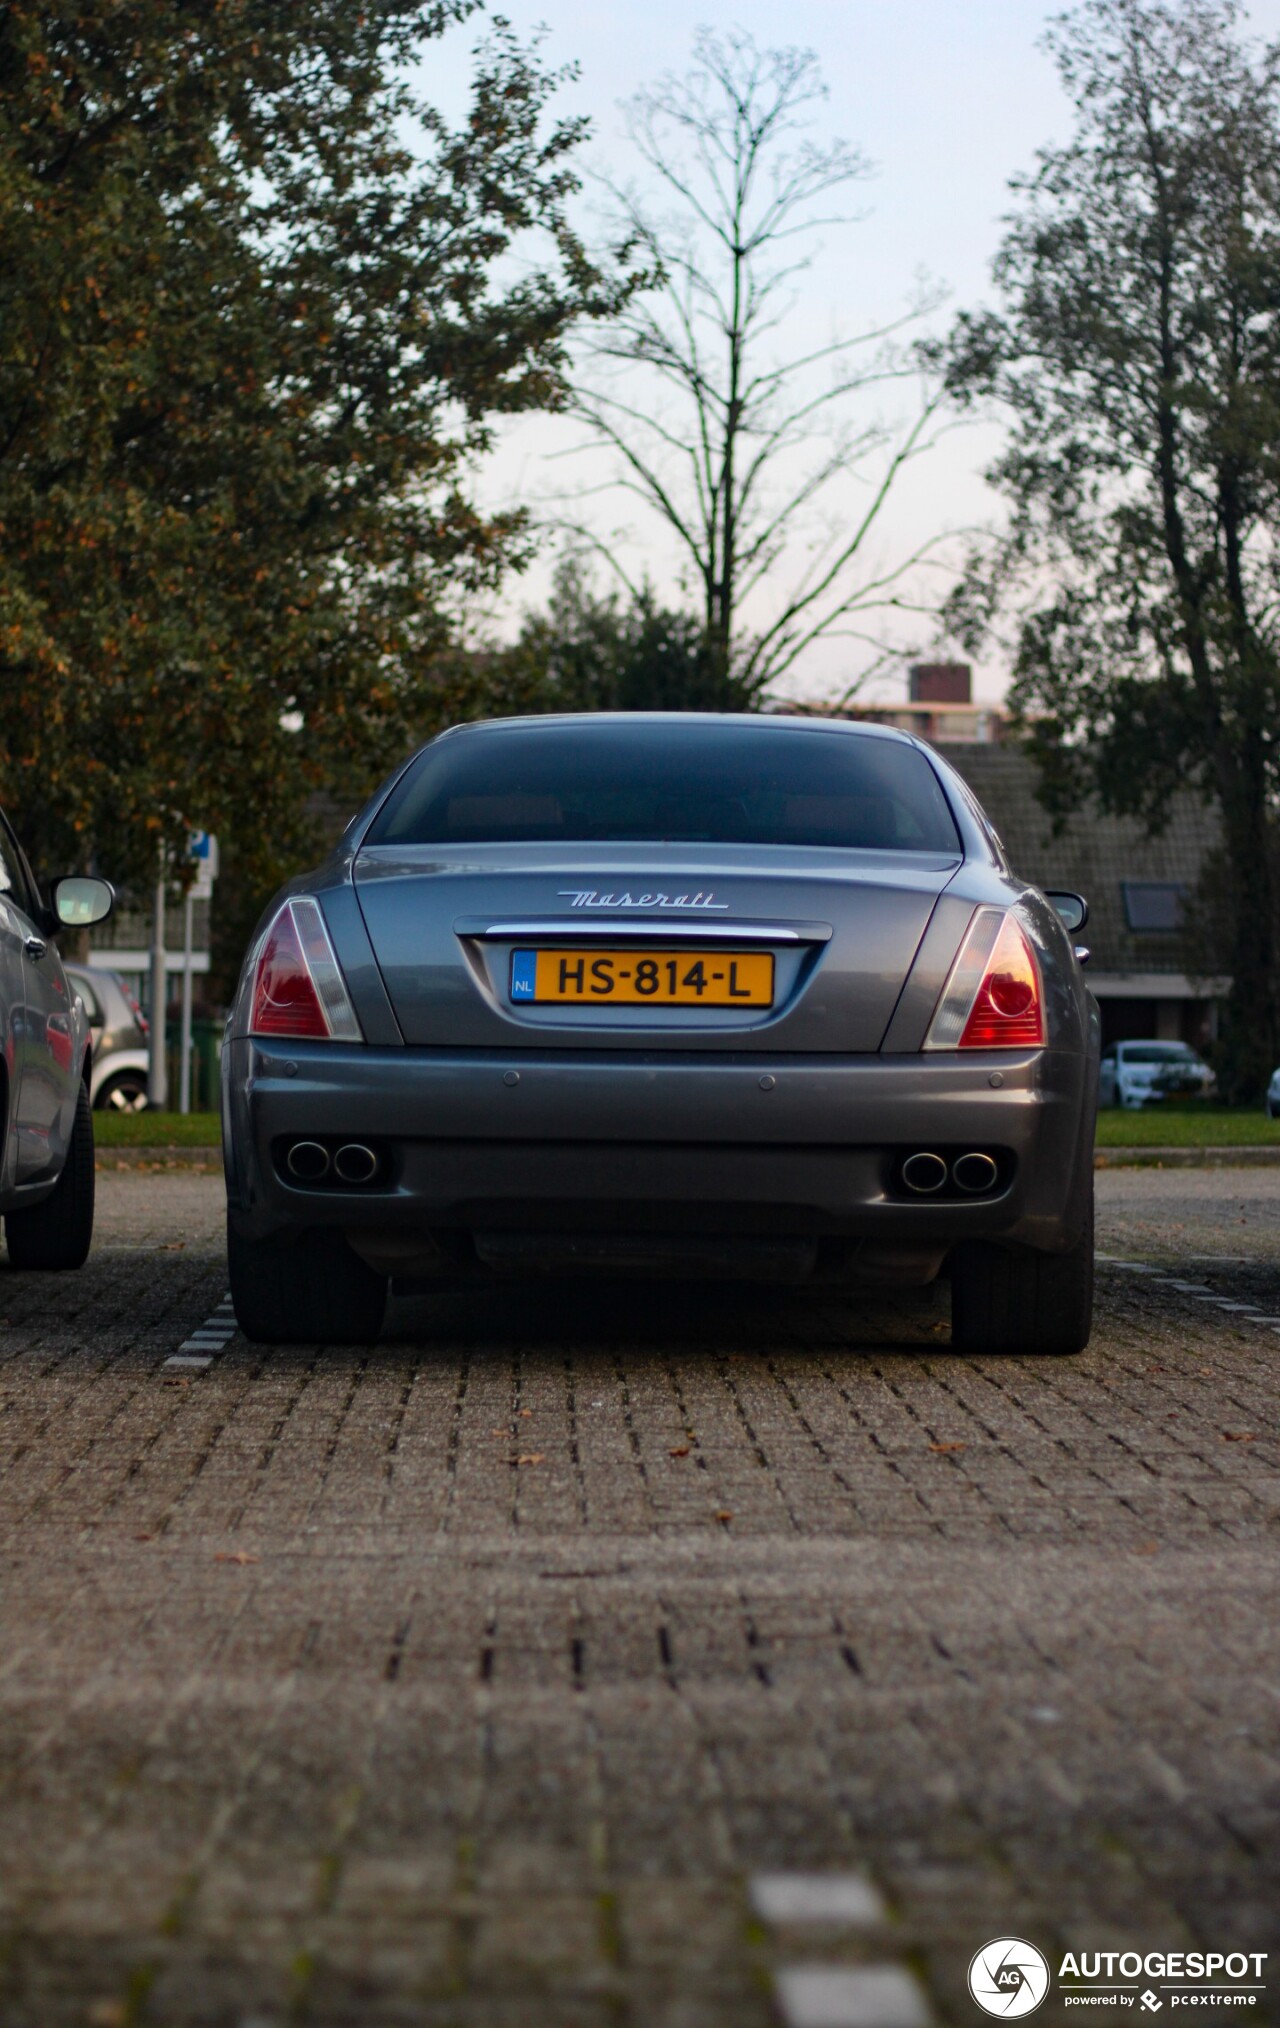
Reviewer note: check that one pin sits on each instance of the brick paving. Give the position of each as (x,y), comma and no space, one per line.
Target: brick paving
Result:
(470,1679)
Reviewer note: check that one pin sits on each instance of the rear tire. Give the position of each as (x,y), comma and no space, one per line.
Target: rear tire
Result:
(1006,1301)
(58,1233)
(304,1288)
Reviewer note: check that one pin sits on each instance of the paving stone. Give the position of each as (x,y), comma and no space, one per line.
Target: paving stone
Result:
(868,1996)
(318,1706)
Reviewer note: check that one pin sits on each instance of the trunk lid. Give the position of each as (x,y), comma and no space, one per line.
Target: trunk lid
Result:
(453,929)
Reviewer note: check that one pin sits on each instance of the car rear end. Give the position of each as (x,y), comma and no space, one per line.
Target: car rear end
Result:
(748,997)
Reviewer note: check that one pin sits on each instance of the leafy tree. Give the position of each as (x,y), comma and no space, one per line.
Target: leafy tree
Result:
(594,652)
(736,449)
(1137,355)
(589,651)
(259,308)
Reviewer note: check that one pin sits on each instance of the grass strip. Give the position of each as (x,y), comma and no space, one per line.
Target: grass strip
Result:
(1187,1126)
(156,1130)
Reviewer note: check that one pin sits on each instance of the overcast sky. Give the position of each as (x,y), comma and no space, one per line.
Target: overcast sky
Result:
(948,98)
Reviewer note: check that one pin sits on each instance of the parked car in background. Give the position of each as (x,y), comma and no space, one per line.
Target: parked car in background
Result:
(1273,1096)
(753,997)
(46,1154)
(1137,1074)
(118,1079)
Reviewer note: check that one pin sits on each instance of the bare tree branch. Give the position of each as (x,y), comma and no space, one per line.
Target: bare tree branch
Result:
(735,450)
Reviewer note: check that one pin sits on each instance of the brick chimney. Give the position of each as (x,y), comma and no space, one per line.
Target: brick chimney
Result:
(941,683)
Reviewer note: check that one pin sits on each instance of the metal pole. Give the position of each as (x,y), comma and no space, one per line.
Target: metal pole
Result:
(184,1098)
(157,1068)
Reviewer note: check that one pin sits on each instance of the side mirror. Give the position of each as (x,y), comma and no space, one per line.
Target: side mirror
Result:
(79,900)
(1073,908)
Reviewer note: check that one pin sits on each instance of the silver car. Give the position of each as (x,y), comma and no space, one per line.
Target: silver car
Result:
(46,1158)
(756,997)
(118,1080)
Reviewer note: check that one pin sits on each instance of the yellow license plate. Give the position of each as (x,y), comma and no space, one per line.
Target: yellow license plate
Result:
(643,978)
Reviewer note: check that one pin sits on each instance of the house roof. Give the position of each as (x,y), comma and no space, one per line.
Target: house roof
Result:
(1096,855)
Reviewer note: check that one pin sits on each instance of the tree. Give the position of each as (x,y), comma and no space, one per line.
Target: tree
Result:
(1137,357)
(259,311)
(736,450)
(590,651)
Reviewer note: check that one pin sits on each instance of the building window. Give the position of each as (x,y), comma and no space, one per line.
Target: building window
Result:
(1154,904)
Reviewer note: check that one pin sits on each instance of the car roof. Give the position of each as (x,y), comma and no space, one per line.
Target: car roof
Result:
(784,721)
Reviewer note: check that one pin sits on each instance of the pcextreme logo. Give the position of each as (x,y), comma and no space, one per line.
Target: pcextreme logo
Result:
(1008,1977)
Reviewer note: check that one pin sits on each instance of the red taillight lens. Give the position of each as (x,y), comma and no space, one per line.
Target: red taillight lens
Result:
(993,998)
(1008,1012)
(285,1001)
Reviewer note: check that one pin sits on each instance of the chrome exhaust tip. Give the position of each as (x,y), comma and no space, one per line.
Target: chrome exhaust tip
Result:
(308,1161)
(354,1163)
(974,1173)
(924,1173)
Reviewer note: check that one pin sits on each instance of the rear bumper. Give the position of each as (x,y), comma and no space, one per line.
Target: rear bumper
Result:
(623,1142)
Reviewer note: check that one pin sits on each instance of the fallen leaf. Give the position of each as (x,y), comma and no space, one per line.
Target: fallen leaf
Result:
(144,1538)
(1238,1436)
(680,1451)
(500,1432)
(1148,1548)
(724,1514)
(531,1458)
(235,1556)
(948,1447)
(1155,1369)
(526,1411)
(172,1246)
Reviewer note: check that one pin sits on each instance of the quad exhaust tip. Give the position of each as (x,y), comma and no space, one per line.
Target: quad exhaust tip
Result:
(925,1173)
(308,1161)
(311,1162)
(354,1163)
(973,1174)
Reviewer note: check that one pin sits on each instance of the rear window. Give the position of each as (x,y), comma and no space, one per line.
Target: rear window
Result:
(652,780)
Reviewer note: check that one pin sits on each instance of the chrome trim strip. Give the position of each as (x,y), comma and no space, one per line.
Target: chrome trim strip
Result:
(661,931)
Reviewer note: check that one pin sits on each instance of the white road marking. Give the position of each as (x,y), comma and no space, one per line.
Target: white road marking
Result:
(1199,1292)
(211,1337)
(846,1996)
(816,1897)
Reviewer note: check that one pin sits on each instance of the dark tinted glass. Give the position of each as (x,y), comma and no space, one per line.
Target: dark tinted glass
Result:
(650,780)
(1160,1052)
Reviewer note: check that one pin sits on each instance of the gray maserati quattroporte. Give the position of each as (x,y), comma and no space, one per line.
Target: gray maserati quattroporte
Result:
(754,997)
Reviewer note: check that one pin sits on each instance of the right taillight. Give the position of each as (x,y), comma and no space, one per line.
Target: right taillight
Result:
(298,987)
(993,998)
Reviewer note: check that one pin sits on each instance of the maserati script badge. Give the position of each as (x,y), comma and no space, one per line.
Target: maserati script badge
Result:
(590,897)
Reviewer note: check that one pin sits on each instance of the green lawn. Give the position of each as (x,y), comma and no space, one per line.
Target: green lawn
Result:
(156,1130)
(1187,1126)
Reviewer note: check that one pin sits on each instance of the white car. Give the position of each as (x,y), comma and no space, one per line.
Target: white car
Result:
(1273,1096)
(1136,1074)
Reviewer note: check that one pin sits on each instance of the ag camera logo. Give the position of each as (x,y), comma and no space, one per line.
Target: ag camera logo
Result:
(1008,1978)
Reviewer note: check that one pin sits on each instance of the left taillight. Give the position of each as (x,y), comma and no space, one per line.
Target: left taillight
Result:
(994,996)
(298,987)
